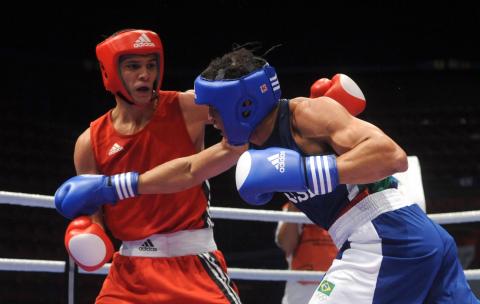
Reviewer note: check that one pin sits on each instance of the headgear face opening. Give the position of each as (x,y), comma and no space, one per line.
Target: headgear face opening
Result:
(129,42)
(242,103)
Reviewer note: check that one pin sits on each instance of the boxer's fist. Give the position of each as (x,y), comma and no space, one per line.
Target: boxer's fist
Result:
(260,173)
(343,89)
(88,244)
(320,87)
(84,194)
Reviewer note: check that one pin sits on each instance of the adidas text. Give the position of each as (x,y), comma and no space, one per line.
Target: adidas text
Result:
(281,162)
(142,44)
(141,248)
(147,246)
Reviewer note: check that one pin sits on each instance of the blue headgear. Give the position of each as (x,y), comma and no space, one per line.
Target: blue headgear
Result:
(242,103)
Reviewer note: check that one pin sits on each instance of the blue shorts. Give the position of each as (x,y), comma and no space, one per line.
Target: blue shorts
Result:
(401,257)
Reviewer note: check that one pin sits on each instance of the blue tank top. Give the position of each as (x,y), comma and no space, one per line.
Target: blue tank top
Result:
(323,210)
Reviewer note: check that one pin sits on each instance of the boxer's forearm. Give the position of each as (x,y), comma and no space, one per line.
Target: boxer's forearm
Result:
(183,173)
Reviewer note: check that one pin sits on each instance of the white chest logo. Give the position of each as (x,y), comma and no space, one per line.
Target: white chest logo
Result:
(114,149)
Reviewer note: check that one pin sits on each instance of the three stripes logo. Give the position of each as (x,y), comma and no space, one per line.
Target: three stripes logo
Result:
(147,246)
(278,161)
(320,179)
(275,83)
(143,41)
(123,184)
(114,149)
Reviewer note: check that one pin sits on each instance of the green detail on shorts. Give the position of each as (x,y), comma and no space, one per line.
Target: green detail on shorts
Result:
(386,183)
(326,287)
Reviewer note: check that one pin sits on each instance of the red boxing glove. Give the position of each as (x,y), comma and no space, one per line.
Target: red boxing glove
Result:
(88,244)
(320,87)
(343,89)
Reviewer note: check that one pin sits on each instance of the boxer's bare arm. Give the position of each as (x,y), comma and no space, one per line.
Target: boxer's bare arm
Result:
(182,173)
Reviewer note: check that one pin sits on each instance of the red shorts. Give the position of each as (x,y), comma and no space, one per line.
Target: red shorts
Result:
(199,279)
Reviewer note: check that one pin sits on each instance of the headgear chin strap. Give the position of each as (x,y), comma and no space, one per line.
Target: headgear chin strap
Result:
(129,42)
(242,103)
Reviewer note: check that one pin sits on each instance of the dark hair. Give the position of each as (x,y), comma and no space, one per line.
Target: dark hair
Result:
(233,65)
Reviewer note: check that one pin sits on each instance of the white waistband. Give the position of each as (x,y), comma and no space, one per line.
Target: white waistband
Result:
(364,211)
(181,243)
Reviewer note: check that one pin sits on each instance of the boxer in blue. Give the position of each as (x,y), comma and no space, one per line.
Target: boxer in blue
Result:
(336,169)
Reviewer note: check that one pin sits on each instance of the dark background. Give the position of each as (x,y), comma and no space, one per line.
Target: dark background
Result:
(418,67)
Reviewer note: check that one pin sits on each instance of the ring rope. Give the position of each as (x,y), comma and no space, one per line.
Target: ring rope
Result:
(45,201)
(234,273)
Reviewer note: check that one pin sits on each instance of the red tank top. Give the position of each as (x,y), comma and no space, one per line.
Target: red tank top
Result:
(164,138)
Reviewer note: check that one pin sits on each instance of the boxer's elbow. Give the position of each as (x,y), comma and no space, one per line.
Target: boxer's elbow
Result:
(396,156)
(401,160)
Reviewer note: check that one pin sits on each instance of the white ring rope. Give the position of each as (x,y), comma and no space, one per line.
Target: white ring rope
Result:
(36,200)
(24,199)
(234,273)
(251,274)
(45,201)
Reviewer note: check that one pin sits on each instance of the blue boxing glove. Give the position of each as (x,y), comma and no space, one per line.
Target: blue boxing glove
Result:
(84,194)
(260,173)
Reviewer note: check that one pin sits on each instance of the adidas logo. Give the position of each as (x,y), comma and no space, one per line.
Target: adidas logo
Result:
(147,246)
(114,149)
(278,161)
(142,41)
(275,83)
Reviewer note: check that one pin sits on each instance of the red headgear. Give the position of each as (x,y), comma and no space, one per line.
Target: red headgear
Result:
(129,42)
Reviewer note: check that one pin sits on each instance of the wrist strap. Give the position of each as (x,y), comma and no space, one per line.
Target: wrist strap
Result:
(322,174)
(126,184)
